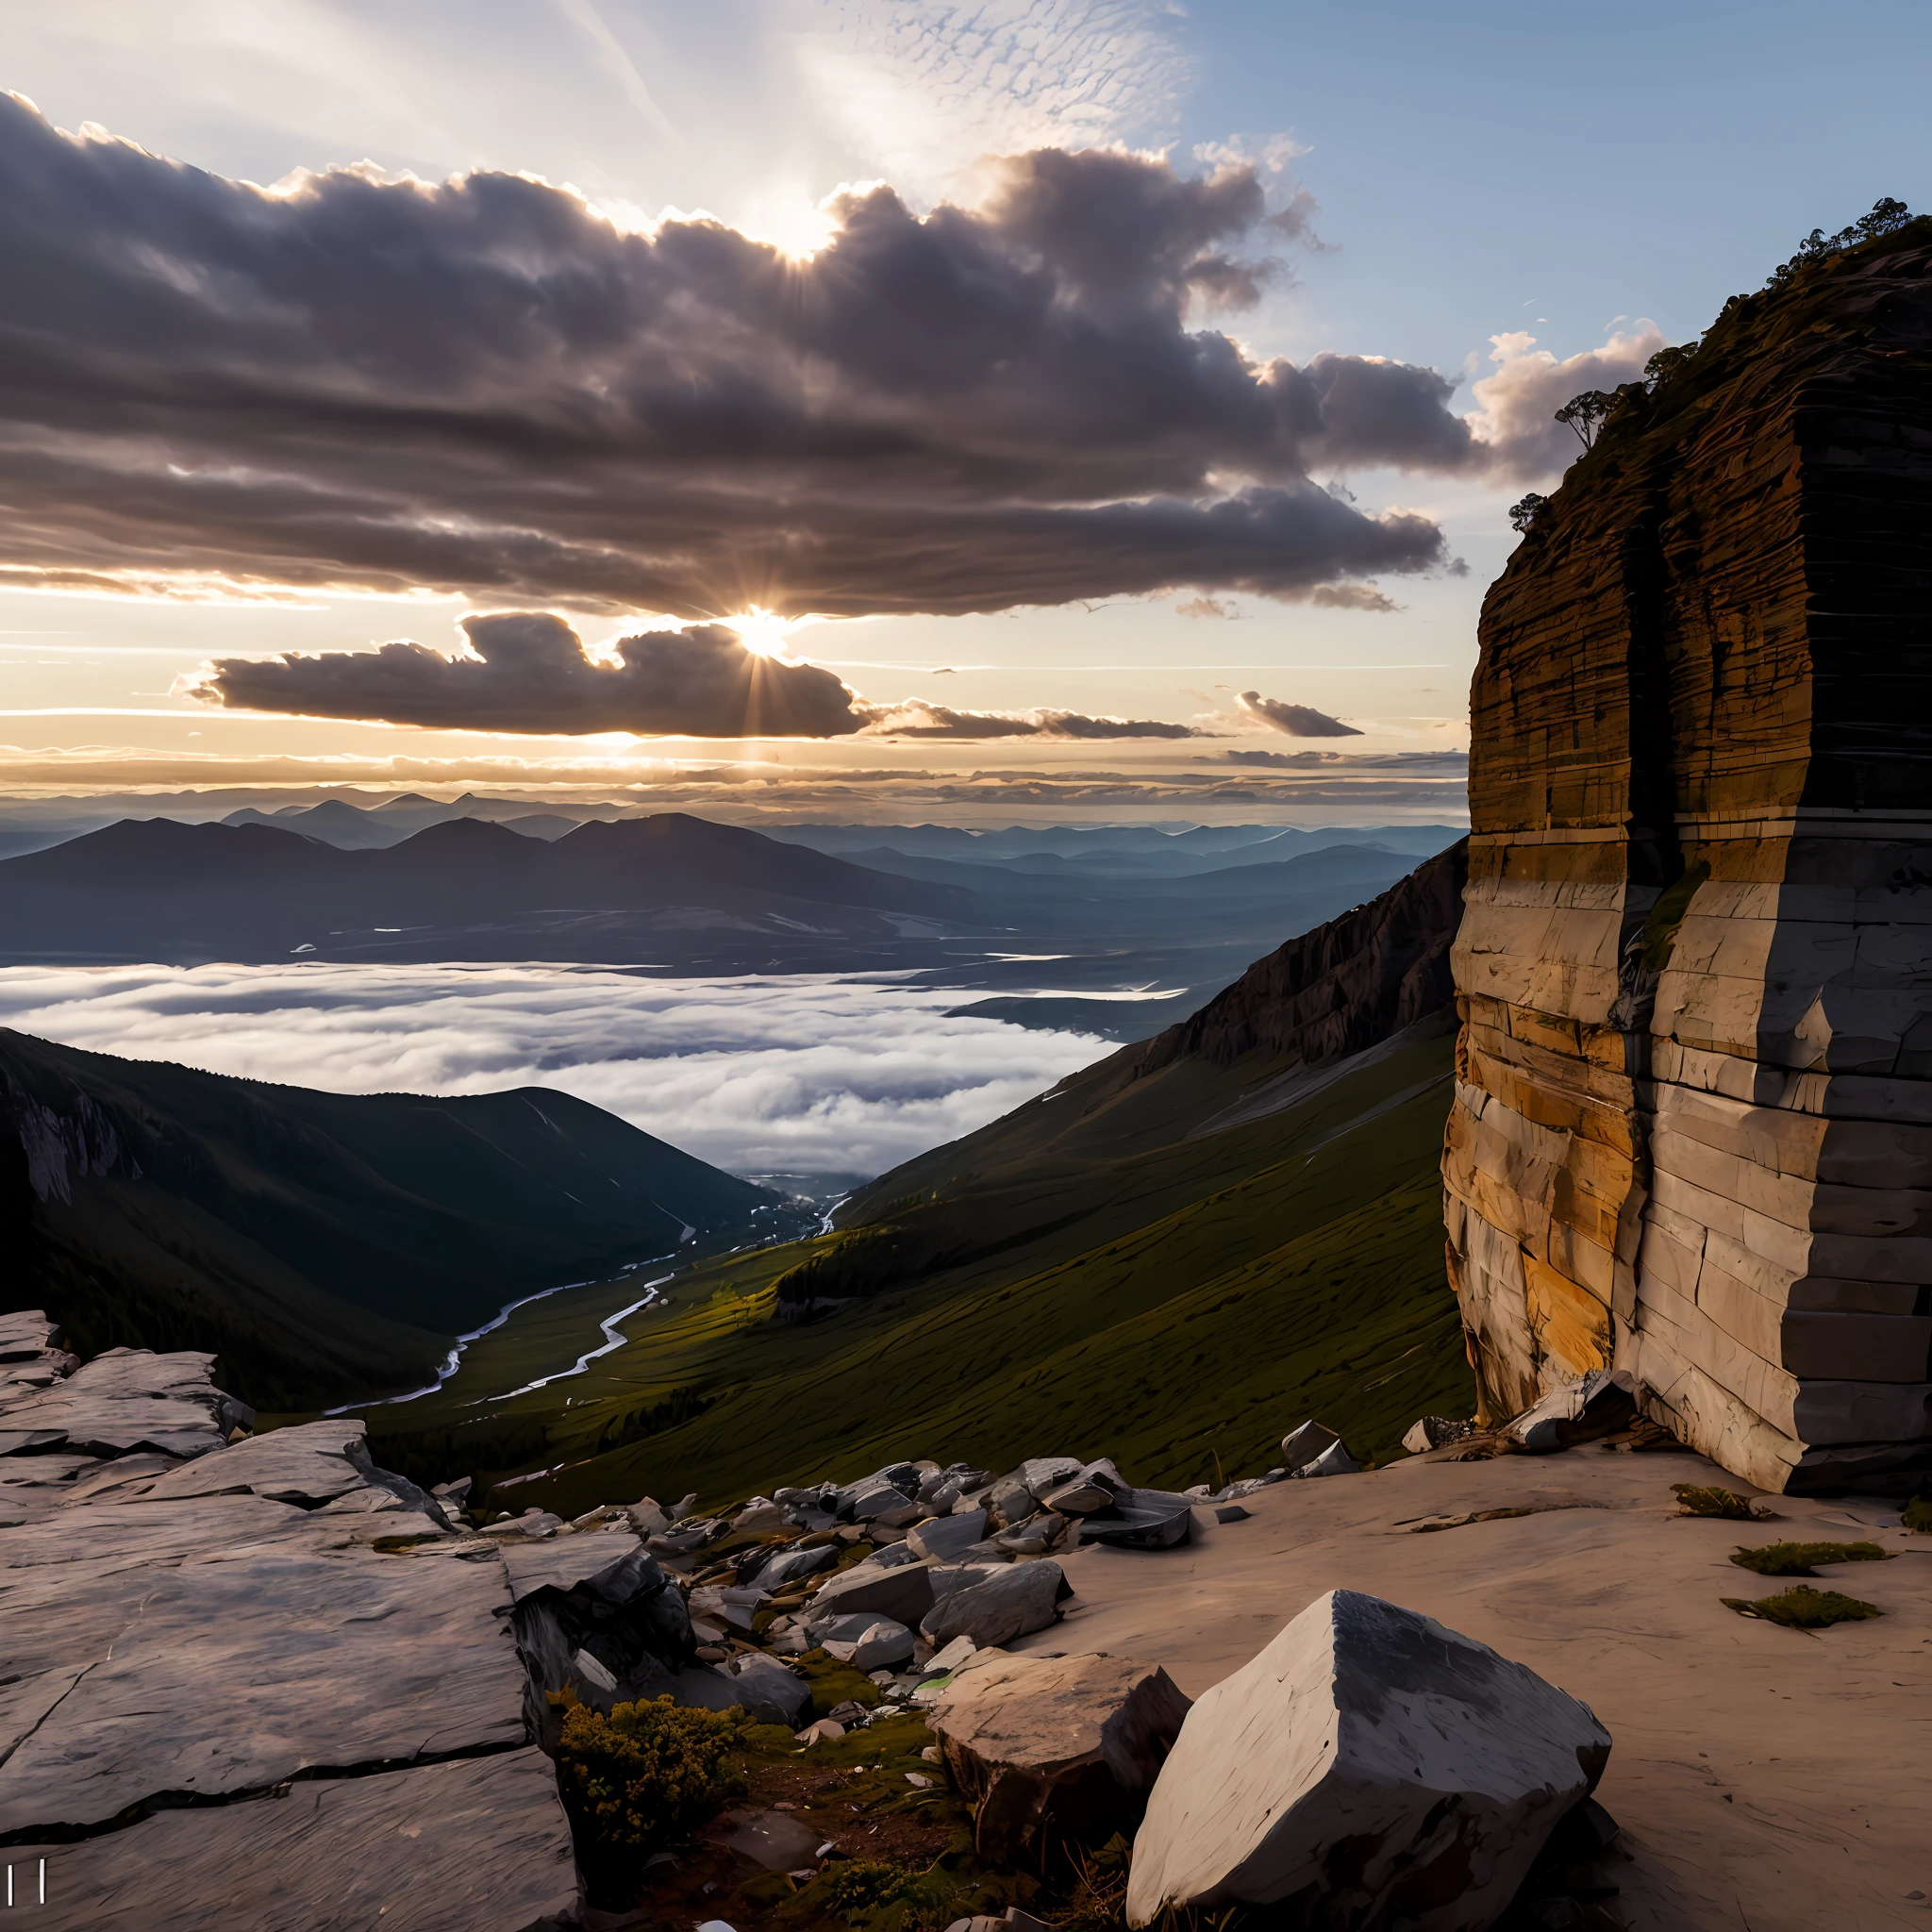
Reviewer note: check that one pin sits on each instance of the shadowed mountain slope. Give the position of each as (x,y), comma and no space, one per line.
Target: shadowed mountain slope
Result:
(322,1244)
(1176,1254)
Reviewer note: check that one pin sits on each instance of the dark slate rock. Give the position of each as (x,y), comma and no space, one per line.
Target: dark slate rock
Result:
(473,1845)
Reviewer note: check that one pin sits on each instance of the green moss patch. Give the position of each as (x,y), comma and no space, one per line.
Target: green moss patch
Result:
(1804,1608)
(1693,1501)
(1800,1559)
(833,1683)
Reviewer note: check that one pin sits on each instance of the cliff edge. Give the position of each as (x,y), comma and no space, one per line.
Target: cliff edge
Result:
(1694,1091)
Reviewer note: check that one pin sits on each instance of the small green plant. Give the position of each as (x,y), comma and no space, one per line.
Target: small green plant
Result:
(1098,1899)
(1802,1607)
(1918,1514)
(649,1774)
(1798,1559)
(1693,1501)
(887,1898)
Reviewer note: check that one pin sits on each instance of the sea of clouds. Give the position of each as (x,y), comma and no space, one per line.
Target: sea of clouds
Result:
(796,1074)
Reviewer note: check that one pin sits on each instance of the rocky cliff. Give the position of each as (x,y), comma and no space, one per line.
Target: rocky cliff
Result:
(1346,985)
(1693,1113)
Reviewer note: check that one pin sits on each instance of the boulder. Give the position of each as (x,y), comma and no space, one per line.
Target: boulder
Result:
(1045,1532)
(1149,1519)
(1099,1486)
(865,1501)
(733,1604)
(1011,1601)
(1043,1472)
(794,1565)
(1598,1405)
(1007,1503)
(1061,1748)
(758,1517)
(647,1517)
(1370,1767)
(1300,1446)
(947,1538)
(882,1645)
(903,1592)
(768,1691)
(1333,1460)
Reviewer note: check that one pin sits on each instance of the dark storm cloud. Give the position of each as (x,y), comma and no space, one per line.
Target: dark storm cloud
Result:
(1297,720)
(483,387)
(529,674)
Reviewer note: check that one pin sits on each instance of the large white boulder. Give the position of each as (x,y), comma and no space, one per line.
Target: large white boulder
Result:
(1370,1767)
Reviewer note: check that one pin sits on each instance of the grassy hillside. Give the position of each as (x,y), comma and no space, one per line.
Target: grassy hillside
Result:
(1095,1274)
(324,1246)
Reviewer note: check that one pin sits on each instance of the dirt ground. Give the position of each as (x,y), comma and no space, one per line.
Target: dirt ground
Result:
(1764,1777)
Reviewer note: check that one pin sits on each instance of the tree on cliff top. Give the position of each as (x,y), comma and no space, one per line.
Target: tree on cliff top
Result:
(1886,217)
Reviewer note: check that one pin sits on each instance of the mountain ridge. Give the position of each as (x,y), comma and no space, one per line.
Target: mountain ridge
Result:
(324,1245)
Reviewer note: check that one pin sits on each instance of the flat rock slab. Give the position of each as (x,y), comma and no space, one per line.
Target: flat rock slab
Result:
(1073,1742)
(565,1562)
(237,1672)
(474,1845)
(126,1399)
(1369,1767)
(309,1464)
(155,1533)
(71,1583)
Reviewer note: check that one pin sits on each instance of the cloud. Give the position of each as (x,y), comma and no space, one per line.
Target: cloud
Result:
(529,672)
(486,388)
(1515,426)
(1216,607)
(1279,760)
(920,718)
(1296,721)
(786,1072)
(1352,597)
(916,89)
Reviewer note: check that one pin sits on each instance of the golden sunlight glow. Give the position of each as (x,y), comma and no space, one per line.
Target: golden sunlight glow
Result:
(788,220)
(763,631)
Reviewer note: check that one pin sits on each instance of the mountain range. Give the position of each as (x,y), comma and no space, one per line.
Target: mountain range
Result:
(1137,925)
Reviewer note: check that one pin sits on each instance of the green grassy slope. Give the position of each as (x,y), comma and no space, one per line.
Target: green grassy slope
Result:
(1086,1278)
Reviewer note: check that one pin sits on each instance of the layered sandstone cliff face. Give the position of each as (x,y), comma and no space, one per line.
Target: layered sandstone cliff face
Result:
(1692,1134)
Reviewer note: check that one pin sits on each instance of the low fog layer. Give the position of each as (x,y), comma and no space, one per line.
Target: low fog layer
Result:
(756,1076)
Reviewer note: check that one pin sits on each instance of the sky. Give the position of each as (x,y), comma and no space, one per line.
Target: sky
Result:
(1005,409)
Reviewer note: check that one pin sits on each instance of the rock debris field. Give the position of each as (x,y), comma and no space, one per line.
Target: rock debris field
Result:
(253,1680)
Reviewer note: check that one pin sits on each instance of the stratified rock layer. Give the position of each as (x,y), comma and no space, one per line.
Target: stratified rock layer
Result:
(1692,1135)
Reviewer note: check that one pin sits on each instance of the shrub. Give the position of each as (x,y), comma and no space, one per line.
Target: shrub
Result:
(1796,1560)
(647,1775)
(887,1898)
(1804,1608)
(1918,1513)
(1693,1501)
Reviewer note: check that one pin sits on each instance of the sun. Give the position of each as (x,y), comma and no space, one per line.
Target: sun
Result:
(762,631)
